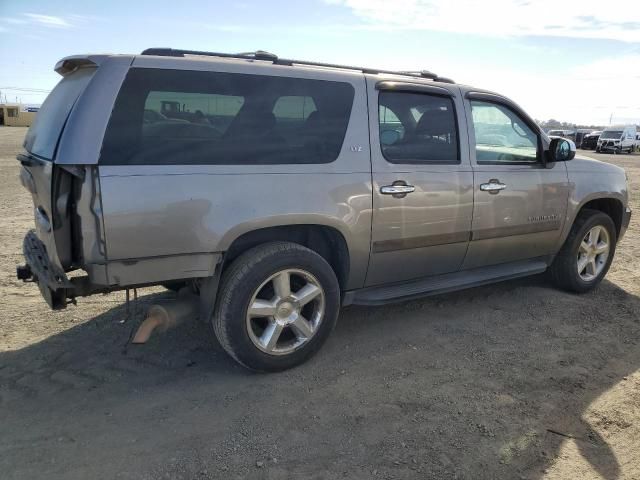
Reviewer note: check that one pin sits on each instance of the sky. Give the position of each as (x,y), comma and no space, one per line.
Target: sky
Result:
(572,60)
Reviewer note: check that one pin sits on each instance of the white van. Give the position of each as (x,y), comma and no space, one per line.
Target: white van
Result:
(617,139)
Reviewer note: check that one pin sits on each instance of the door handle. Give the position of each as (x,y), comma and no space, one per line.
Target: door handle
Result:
(397,189)
(494,186)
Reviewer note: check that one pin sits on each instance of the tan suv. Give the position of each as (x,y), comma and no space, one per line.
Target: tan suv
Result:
(274,191)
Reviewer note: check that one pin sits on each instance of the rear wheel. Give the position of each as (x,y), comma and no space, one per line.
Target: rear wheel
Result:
(587,253)
(277,305)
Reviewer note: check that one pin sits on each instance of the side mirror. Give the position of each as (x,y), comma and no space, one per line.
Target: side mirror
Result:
(561,150)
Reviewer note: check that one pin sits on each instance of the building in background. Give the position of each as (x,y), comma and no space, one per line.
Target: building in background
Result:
(17,114)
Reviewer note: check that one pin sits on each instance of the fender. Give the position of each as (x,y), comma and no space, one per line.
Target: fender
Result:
(592,180)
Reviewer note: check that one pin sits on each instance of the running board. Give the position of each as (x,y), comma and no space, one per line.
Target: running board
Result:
(398,292)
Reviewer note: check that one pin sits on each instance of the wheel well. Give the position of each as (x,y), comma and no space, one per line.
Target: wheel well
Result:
(611,207)
(326,241)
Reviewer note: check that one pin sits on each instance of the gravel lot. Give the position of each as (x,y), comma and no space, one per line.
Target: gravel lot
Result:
(514,380)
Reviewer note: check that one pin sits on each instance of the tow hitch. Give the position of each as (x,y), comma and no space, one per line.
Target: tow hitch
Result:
(24,273)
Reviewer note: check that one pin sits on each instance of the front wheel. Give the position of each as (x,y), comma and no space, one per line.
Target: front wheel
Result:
(277,305)
(587,253)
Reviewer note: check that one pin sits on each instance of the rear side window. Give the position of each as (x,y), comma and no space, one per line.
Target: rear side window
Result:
(418,128)
(389,122)
(214,110)
(172,117)
(42,137)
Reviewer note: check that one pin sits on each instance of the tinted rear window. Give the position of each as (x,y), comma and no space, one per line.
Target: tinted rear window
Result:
(166,117)
(418,128)
(42,137)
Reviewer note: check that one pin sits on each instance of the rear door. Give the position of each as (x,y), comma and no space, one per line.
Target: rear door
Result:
(422,181)
(49,184)
(519,201)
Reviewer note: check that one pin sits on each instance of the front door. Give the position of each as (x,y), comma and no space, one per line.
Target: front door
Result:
(519,201)
(422,181)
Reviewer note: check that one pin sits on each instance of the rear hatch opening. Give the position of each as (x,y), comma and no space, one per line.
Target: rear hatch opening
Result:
(49,248)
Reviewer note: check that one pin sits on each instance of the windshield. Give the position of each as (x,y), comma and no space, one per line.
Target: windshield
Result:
(555,132)
(42,137)
(616,134)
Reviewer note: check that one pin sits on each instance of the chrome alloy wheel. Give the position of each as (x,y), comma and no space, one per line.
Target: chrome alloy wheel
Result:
(284,313)
(593,253)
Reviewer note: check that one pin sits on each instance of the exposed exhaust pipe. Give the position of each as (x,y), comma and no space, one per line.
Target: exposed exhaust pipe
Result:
(167,315)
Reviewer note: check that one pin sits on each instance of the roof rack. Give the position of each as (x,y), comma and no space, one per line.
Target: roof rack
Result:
(270,57)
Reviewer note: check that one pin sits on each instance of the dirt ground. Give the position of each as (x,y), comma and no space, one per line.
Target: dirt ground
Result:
(514,380)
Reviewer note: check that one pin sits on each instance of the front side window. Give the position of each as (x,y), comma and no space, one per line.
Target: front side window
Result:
(501,135)
(418,128)
(391,128)
(173,117)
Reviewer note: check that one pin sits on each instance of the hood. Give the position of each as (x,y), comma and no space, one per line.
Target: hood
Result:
(591,165)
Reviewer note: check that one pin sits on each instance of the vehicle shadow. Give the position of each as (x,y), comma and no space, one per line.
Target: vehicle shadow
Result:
(484,383)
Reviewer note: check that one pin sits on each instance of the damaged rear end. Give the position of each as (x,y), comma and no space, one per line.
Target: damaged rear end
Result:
(59,169)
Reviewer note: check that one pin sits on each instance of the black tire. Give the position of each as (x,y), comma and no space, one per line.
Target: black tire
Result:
(564,270)
(243,278)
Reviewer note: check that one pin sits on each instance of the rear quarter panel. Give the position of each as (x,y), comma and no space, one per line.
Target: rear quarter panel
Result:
(158,212)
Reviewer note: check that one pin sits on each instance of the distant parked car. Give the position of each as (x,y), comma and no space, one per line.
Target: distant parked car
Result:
(580,134)
(617,139)
(590,141)
(555,133)
(570,134)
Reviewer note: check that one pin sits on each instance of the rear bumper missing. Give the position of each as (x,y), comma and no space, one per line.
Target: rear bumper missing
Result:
(53,283)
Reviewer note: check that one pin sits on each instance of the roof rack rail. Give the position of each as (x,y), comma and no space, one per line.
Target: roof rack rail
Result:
(421,73)
(270,57)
